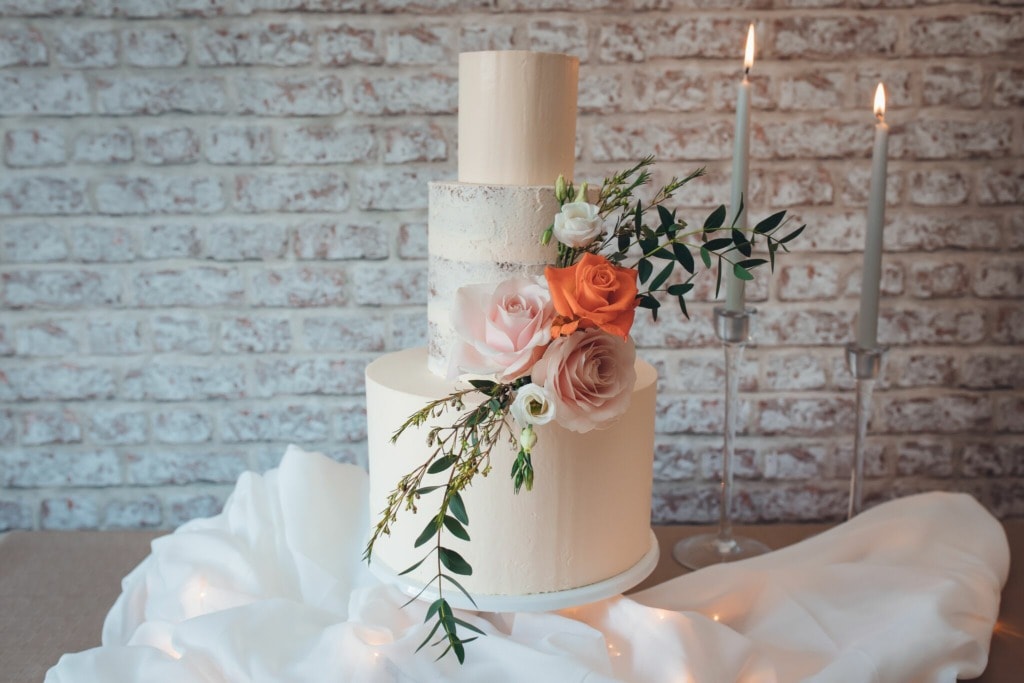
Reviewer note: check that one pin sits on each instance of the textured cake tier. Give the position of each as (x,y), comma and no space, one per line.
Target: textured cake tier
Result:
(481,234)
(517,117)
(587,518)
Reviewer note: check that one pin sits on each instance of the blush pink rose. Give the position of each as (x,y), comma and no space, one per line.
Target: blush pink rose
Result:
(502,329)
(589,377)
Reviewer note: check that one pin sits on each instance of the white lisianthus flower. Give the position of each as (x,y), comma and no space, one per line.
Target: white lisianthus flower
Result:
(532,406)
(578,224)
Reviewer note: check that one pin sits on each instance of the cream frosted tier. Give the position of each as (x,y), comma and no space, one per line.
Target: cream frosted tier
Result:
(587,518)
(481,234)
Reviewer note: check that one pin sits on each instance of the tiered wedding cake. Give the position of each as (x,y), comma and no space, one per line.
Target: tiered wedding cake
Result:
(587,518)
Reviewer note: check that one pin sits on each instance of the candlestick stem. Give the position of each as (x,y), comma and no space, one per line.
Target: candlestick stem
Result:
(702,550)
(865,365)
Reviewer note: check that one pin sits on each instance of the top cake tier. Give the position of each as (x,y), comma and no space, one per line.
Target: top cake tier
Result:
(517,117)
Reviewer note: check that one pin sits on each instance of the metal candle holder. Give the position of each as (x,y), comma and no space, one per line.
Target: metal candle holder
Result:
(865,365)
(702,550)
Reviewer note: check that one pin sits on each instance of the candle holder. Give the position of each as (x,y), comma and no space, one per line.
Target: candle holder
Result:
(865,365)
(702,550)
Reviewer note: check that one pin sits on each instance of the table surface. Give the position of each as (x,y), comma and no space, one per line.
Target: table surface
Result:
(56,588)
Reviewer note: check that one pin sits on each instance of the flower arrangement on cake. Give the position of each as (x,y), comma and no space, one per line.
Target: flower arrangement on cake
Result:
(557,349)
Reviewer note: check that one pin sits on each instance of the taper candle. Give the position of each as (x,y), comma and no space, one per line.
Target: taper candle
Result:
(734,287)
(867,322)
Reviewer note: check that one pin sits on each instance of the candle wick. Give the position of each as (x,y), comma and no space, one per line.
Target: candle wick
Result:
(746,71)
(881,117)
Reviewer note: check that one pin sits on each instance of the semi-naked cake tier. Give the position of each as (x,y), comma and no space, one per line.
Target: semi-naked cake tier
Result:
(586,520)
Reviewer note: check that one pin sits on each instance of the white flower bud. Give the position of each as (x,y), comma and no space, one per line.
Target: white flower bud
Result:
(578,224)
(527,439)
(560,189)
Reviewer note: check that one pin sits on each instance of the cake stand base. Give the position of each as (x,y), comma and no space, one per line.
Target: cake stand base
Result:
(537,602)
(704,550)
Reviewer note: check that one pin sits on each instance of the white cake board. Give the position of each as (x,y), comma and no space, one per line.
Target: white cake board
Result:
(537,602)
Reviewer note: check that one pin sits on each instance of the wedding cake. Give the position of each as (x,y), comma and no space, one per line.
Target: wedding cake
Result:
(587,517)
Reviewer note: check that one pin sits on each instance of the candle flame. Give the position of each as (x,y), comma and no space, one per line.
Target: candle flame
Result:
(880,101)
(748,53)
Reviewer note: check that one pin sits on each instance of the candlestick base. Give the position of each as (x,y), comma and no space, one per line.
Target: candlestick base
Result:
(733,327)
(704,550)
(865,365)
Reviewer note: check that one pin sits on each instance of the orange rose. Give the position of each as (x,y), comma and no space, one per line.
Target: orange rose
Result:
(592,293)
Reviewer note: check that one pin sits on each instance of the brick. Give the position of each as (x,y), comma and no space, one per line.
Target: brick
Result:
(33,469)
(792,187)
(673,504)
(999,279)
(420,44)
(946,413)
(292,191)
(245,241)
(319,376)
(134,512)
(30,147)
(699,372)
(919,231)
(6,346)
(60,288)
(820,138)
(15,515)
(938,187)
(327,144)
(797,502)
(22,45)
(816,90)
(1008,87)
(178,427)
(937,278)
(924,459)
(150,47)
(568,36)
(118,426)
(856,186)
(796,327)
(331,241)
(183,332)
(169,240)
(193,287)
(290,95)
(806,416)
(892,280)
(834,37)
(797,463)
(41,427)
(162,468)
(160,145)
(173,381)
(278,43)
(928,325)
(101,243)
(183,508)
(425,93)
(47,338)
(298,287)
(952,86)
(36,8)
(745,464)
(479,37)
(1007,497)
(724,92)
(1000,185)
(694,415)
(85,48)
(919,370)
(8,431)
(123,195)
(349,423)
(228,143)
(611,93)
(671,89)
(342,45)
(42,196)
(142,9)
(33,243)
(978,33)
(809,282)
(676,460)
(672,332)
(952,139)
(900,88)
(793,372)
(104,147)
(116,337)
(412,241)
(408,329)
(162,94)
(294,423)
(414,142)
(992,460)
(993,371)
(875,463)
(1009,413)
(674,142)
(390,285)
(1009,325)
(390,189)
(348,332)
(255,335)
(58,381)
(69,513)
(703,37)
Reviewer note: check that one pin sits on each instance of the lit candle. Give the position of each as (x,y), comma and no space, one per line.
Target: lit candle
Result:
(867,322)
(740,167)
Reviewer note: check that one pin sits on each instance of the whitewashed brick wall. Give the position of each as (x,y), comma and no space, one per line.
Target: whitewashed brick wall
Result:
(212,217)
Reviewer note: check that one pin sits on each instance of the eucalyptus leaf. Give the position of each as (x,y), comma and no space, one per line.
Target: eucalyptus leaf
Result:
(458,508)
(454,562)
(741,272)
(719,243)
(428,532)
(682,307)
(715,220)
(683,256)
(662,276)
(485,385)
(793,235)
(413,568)
(441,464)
(644,269)
(666,217)
(458,585)
(453,525)
(770,223)
(680,289)
(705,256)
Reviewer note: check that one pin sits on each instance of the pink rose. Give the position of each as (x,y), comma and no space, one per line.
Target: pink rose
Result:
(589,377)
(503,329)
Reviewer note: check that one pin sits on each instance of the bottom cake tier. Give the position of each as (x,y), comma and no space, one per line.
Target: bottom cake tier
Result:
(586,520)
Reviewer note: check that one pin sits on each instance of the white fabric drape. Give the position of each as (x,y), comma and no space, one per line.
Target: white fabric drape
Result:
(273,589)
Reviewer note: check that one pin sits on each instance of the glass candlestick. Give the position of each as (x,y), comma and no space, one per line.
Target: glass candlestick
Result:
(865,366)
(702,550)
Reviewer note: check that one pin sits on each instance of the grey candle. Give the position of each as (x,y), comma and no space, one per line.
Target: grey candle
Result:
(867,321)
(734,287)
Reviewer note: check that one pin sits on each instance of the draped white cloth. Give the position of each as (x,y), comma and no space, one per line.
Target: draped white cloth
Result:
(273,589)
